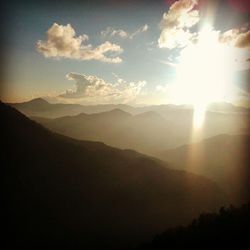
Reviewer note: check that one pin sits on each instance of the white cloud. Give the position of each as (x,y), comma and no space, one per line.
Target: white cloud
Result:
(113,32)
(176,22)
(239,38)
(141,29)
(232,46)
(206,60)
(62,42)
(122,33)
(91,87)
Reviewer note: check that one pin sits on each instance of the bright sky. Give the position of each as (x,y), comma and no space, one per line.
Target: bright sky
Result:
(135,52)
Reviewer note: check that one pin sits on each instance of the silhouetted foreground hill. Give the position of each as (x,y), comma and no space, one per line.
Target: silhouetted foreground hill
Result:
(228,229)
(60,193)
(223,158)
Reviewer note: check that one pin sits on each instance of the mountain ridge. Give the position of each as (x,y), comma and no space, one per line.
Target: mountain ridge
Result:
(60,191)
(223,158)
(54,110)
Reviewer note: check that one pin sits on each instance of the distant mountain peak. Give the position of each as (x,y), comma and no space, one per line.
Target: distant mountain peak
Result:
(226,107)
(82,114)
(38,101)
(116,112)
(150,115)
(113,113)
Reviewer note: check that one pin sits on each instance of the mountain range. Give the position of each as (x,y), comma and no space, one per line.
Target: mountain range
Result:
(148,132)
(223,158)
(62,193)
(42,108)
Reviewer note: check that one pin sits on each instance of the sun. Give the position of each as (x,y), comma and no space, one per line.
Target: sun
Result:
(204,74)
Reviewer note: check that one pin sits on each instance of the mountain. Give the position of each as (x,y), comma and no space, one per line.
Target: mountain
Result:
(223,158)
(147,132)
(42,108)
(226,230)
(152,129)
(61,193)
(226,107)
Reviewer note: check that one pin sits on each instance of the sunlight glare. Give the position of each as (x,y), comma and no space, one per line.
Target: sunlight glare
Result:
(203,73)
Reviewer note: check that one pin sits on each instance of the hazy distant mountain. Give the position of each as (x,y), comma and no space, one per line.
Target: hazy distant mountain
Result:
(40,107)
(223,158)
(166,109)
(226,107)
(147,132)
(61,193)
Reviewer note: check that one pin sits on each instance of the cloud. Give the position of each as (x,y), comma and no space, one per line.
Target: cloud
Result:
(167,62)
(177,32)
(62,42)
(87,86)
(122,33)
(239,38)
(113,32)
(182,15)
(142,29)
(176,22)
(205,59)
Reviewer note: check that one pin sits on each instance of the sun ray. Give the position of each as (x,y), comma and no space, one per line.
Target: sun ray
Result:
(202,77)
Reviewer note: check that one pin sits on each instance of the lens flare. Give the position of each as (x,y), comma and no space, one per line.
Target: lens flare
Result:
(204,73)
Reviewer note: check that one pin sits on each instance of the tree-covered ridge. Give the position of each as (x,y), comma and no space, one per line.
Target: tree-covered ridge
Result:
(230,227)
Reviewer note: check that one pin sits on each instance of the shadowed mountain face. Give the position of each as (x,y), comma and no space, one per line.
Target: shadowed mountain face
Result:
(63,193)
(148,132)
(223,158)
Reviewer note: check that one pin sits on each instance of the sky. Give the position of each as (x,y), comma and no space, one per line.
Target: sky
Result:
(117,51)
